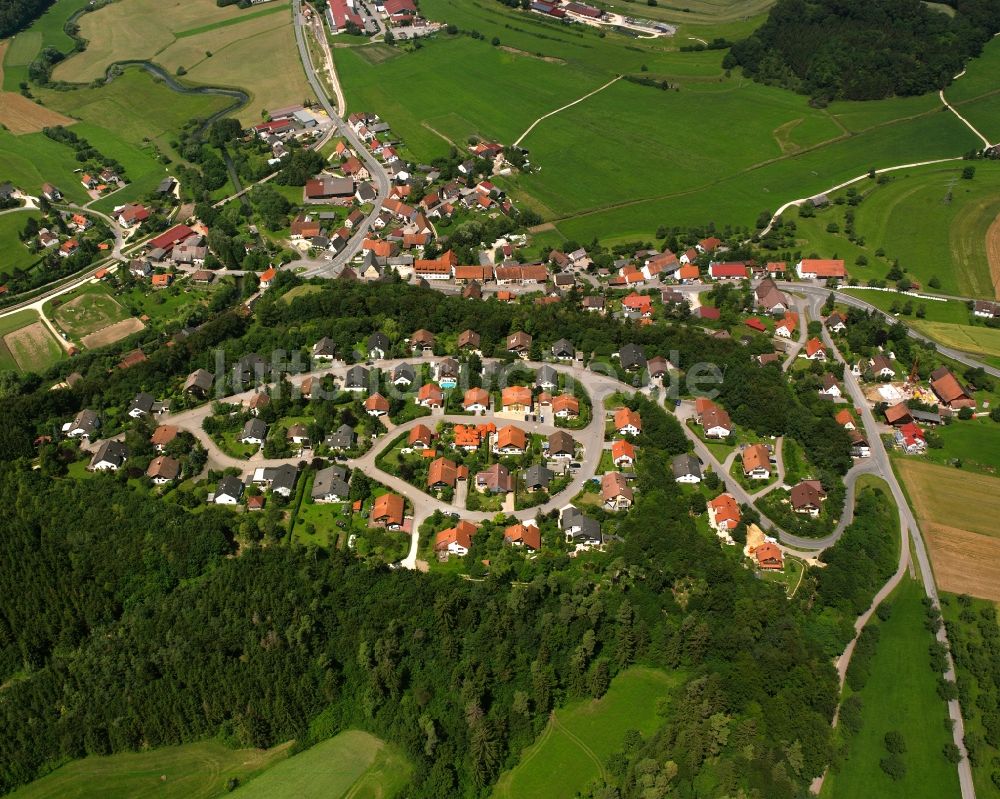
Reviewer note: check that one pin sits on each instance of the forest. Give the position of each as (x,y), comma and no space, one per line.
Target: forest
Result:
(857,50)
(16,15)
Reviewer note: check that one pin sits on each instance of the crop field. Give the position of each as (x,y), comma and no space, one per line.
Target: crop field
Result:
(15,256)
(87,313)
(46,31)
(352,764)
(26,344)
(216,46)
(977,340)
(573,749)
(956,510)
(19,114)
(900,694)
(192,771)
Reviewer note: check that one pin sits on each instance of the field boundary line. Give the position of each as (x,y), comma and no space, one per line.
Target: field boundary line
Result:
(532,126)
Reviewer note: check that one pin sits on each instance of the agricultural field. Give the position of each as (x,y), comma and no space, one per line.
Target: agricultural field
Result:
(975,442)
(956,510)
(979,340)
(951,312)
(46,31)
(88,312)
(901,695)
(19,114)
(26,344)
(13,254)
(351,764)
(215,46)
(576,743)
(980,77)
(192,771)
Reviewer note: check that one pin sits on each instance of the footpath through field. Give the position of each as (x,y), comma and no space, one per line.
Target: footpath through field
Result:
(531,127)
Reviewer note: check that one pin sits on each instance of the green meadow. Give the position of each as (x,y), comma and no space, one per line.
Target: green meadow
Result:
(33,159)
(192,771)
(900,694)
(14,254)
(579,738)
(46,31)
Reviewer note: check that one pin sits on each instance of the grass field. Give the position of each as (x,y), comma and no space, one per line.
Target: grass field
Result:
(579,737)
(46,31)
(19,114)
(956,510)
(352,764)
(976,442)
(26,343)
(901,694)
(91,310)
(32,159)
(192,771)
(980,76)
(15,255)
(978,340)
(216,46)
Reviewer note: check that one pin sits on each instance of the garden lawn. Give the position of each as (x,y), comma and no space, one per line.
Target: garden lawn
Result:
(192,771)
(576,743)
(976,442)
(901,694)
(331,769)
(15,254)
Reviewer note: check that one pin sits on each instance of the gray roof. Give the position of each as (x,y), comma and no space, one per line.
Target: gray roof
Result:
(537,475)
(925,416)
(546,375)
(201,379)
(250,366)
(111,451)
(86,420)
(331,480)
(281,478)
(254,428)
(325,346)
(356,376)
(631,356)
(229,486)
(684,465)
(590,528)
(378,340)
(343,438)
(564,347)
(404,370)
(142,402)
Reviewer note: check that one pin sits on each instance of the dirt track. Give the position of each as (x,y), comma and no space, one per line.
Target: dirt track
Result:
(112,333)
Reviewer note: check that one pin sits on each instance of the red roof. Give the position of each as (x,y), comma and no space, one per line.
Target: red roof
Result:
(268,275)
(708,312)
(734,269)
(823,267)
(175,235)
(755,324)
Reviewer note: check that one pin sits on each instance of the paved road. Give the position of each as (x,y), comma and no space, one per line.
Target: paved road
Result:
(374,168)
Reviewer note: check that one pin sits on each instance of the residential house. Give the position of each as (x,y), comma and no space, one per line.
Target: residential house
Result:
(519,343)
(836,323)
(430,395)
(229,491)
(768,557)
(523,535)
(388,511)
(446,372)
(615,491)
(770,298)
(510,440)
(716,423)
(258,401)
(736,270)
(880,367)
(443,473)
(378,345)
(422,341)
(910,438)
(468,341)
(563,350)
(561,445)
(686,469)
(845,419)
(254,432)
(357,378)
(594,303)
(144,404)
(814,350)
(537,477)
(657,367)
(628,422)
(756,462)
(807,497)
(163,469)
(325,349)
(199,383)
(859,445)
(723,514)
(163,435)
(632,358)
(785,328)
(898,414)
(456,540)
(565,406)
(516,399)
(495,480)
(820,269)
(949,391)
(476,400)
(547,378)
(580,529)
(420,437)
(84,425)
(376,405)
(298,434)
(344,438)
(830,386)
(622,453)
(330,485)
(110,456)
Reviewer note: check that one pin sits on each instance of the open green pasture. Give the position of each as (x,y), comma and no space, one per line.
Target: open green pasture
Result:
(32,159)
(576,743)
(13,254)
(900,694)
(46,31)
(980,76)
(351,764)
(192,771)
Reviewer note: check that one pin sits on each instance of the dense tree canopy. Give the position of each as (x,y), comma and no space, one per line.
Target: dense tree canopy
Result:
(15,15)
(863,50)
